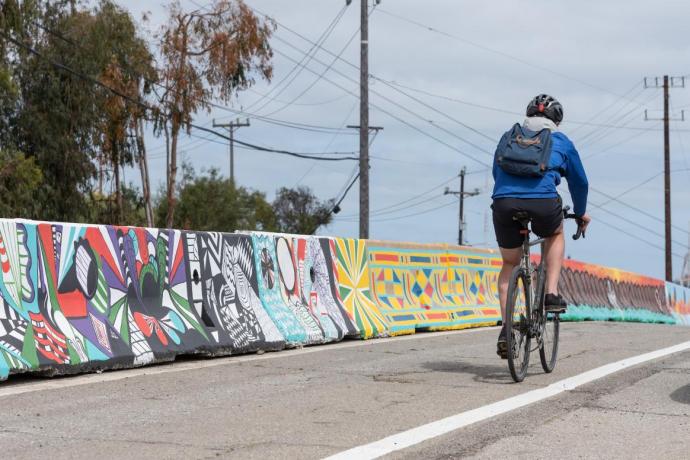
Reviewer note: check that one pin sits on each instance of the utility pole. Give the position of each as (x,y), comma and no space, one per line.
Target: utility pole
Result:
(462,194)
(364,124)
(672,82)
(231,127)
(364,119)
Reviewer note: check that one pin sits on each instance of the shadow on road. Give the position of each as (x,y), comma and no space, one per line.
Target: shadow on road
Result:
(486,373)
(682,395)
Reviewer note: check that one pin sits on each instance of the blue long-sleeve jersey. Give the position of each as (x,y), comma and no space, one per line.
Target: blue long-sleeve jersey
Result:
(564,161)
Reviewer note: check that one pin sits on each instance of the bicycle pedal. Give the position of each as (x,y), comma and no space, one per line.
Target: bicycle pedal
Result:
(502,350)
(559,310)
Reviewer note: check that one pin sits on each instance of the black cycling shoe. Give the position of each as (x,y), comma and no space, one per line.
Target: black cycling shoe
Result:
(502,345)
(554,303)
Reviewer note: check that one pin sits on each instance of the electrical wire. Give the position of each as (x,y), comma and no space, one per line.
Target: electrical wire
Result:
(634,208)
(234,112)
(321,75)
(297,69)
(500,53)
(413,113)
(397,118)
(98,82)
(406,202)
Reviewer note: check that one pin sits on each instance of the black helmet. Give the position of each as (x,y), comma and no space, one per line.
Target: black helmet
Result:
(545,106)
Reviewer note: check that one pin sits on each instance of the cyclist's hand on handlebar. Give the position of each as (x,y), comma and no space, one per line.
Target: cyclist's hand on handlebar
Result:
(584,222)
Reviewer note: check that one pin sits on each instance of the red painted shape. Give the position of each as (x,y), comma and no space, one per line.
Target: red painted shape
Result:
(437,315)
(386,257)
(178,259)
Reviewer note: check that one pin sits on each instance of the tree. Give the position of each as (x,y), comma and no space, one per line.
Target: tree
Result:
(210,202)
(207,54)
(298,211)
(62,120)
(131,73)
(19,178)
(101,208)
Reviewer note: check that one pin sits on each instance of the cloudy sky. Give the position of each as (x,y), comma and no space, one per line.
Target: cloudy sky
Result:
(453,76)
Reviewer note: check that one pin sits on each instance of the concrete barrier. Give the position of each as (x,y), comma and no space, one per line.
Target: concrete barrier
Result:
(352,273)
(600,293)
(678,301)
(78,298)
(429,287)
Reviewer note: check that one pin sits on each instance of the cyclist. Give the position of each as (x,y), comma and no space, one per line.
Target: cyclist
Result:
(537,196)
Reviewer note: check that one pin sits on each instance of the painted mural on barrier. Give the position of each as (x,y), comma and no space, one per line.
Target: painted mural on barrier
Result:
(598,292)
(229,305)
(79,295)
(678,300)
(316,272)
(352,263)
(268,281)
(472,284)
(418,287)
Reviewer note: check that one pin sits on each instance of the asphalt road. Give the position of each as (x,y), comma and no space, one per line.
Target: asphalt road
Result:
(320,401)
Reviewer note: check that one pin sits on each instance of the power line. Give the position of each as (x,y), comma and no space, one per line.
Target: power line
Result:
(615,102)
(634,208)
(147,107)
(397,118)
(427,211)
(415,114)
(389,100)
(500,53)
(633,223)
(297,69)
(324,72)
(306,104)
(407,202)
(234,112)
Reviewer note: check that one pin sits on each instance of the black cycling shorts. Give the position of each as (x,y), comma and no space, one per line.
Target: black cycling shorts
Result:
(546,214)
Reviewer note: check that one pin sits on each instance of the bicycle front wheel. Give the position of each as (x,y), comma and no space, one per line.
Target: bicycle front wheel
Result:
(518,314)
(548,351)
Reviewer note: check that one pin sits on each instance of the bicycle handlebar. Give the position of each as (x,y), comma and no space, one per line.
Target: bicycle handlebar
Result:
(580,223)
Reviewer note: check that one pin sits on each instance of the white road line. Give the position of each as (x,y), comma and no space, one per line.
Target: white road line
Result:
(440,427)
(10,389)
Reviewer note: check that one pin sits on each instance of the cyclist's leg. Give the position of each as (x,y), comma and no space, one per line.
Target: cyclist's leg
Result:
(547,223)
(509,241)
(511,258)
(554,250)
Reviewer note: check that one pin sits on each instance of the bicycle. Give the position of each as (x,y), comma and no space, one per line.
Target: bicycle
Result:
(526,316)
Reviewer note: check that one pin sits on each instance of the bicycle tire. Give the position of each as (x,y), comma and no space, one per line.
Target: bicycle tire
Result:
(518,325)
(548,351)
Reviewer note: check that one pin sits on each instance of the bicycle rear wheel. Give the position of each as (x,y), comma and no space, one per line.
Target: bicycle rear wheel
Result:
(518,324)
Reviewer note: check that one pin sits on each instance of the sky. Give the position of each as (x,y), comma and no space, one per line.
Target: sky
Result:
(449,77)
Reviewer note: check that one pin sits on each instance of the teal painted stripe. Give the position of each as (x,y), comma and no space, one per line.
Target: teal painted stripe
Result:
(589,313)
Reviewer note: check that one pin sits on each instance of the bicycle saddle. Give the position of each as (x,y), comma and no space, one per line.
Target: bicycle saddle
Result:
(522,217)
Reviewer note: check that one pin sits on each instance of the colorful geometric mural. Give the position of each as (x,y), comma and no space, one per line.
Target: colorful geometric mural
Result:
(428,287)
(352,262)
